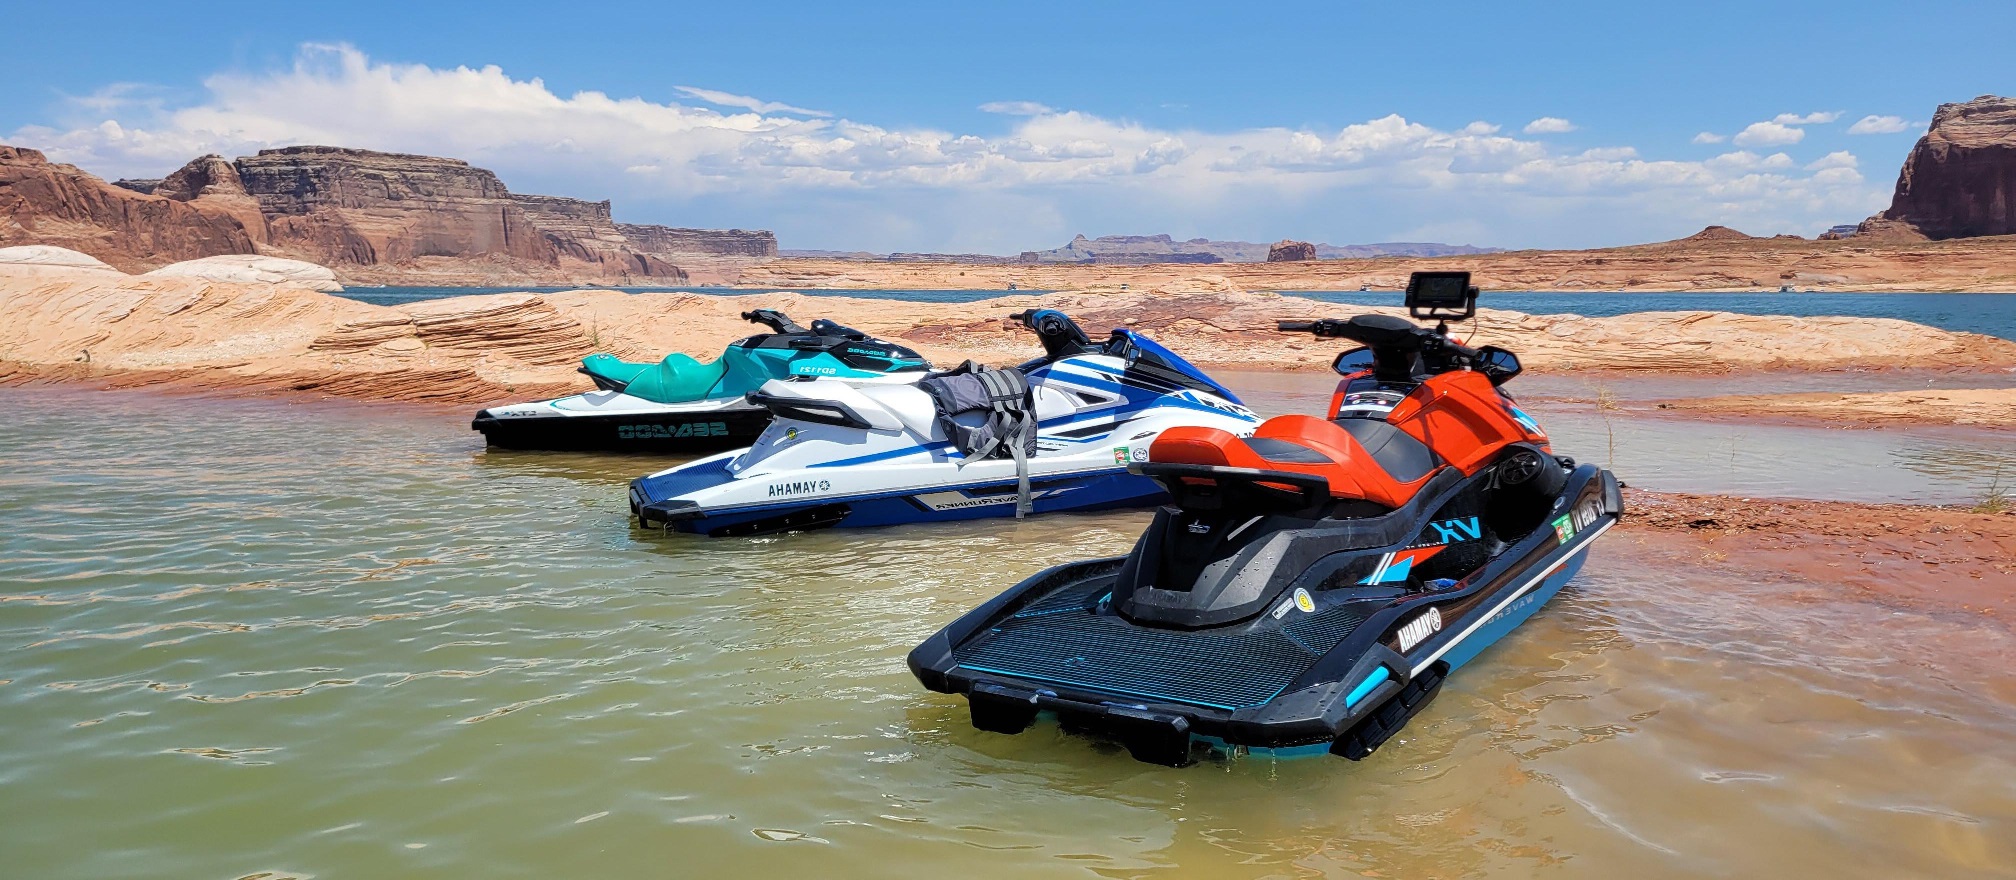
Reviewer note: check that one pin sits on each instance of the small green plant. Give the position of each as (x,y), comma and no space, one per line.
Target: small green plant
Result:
(1995,498)
(1607,402)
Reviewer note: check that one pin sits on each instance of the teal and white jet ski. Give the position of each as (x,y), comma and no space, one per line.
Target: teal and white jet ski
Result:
(680,405)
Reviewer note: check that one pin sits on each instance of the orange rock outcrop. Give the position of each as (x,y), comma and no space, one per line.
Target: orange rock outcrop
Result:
(69,323)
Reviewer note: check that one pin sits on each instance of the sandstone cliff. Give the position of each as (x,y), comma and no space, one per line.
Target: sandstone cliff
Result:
(45,203)
(359,207)
(582,232)
(1960,180)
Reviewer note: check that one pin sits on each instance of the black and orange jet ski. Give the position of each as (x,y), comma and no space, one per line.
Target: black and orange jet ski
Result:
(1311,586)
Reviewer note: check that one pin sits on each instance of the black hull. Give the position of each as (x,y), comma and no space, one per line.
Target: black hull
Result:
(1339,675)
(669,433)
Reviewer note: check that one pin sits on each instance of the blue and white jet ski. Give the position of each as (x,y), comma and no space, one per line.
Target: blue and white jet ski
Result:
(840,455)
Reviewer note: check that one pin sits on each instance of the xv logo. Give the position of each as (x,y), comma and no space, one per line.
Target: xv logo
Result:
(1449,531)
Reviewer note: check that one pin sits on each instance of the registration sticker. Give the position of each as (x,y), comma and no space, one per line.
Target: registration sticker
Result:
(1563,530)
(1121,455)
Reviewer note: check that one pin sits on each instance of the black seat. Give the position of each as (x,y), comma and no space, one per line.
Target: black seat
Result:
(1402,456)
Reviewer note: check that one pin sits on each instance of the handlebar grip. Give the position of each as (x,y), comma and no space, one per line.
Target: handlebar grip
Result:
(1295,326)
(749,316)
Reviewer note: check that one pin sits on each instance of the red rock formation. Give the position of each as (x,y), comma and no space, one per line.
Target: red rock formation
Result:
(53,204)
(359,207)
(1960,180)
(1286,251)
(581,231)
(214,183)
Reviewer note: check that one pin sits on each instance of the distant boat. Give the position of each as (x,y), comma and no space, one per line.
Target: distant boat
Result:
(1011,285)
(1364,287)
(1787,288)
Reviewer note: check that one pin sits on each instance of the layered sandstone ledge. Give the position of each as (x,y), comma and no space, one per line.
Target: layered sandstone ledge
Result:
(1976,407)
(100,325)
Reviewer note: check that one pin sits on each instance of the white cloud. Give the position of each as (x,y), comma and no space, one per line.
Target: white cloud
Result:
(1549,125)
(1836,159)
(1709,137)
(822,181)
(1879,125)
(726,99)
(1769,134)
(1808,119)
(1017,108)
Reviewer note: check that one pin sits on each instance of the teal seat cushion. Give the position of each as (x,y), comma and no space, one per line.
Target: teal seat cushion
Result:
(676,379)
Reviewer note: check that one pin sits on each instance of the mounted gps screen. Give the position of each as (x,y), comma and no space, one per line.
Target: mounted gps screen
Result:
(1441,295)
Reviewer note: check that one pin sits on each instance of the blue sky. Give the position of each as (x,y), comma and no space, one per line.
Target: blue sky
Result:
(1000,127)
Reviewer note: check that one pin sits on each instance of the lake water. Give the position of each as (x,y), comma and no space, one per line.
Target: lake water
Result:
(1990,313)
(262,639)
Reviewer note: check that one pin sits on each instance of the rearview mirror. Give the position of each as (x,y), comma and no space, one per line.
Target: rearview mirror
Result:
(1355,360)
(1497,364)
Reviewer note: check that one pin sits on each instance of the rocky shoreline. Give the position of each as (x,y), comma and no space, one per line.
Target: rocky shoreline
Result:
(73,322)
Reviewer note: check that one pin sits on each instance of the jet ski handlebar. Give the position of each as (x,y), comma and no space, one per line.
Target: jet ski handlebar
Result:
(773,319)
(1383,332)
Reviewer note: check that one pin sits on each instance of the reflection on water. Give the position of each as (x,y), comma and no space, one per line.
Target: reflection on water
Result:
(245,637)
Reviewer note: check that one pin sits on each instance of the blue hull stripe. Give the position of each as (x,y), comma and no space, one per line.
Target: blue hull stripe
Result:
(1086,490)
(1514,609)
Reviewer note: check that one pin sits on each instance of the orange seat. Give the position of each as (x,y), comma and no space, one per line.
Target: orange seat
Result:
(1297,444)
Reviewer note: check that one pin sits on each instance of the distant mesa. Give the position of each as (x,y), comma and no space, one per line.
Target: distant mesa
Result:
(1285,251)
(1155,249)
(1136,249)
(1960,180)
(370,215)
(1719,233)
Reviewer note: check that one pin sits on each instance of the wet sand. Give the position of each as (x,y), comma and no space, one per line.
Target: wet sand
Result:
(1936,559)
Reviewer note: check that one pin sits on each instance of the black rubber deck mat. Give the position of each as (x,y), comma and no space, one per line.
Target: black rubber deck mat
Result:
(1059,640)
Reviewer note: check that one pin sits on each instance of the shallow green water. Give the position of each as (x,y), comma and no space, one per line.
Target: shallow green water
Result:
(244,638)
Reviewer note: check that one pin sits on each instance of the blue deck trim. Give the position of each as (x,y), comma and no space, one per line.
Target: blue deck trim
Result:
(1375,679)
